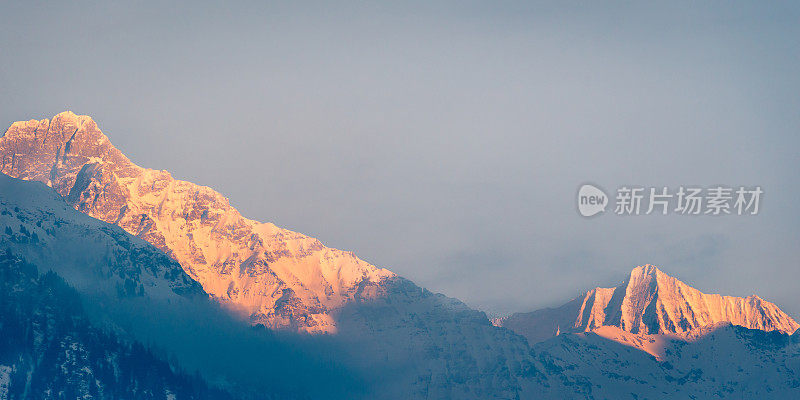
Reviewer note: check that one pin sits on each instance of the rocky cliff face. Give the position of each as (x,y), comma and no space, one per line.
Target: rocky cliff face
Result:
(651,302)
(280,278)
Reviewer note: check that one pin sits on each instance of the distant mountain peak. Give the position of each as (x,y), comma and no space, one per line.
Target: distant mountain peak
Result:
(651,302)
(645,270)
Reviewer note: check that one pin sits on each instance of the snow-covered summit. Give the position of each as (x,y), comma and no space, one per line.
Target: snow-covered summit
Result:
(651,302)
(280,278)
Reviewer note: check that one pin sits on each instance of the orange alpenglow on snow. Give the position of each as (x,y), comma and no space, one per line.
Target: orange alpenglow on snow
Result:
(650,302)
(279,278)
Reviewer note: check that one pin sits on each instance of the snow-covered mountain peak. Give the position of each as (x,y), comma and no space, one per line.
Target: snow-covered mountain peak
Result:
(651,302)
(64,123)
(645,270)
(282,279)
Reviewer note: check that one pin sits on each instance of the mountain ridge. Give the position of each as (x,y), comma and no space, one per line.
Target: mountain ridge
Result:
(411,343)
(283,279)
(280,278)
(649,302)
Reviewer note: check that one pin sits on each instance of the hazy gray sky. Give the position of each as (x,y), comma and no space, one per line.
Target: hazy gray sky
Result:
(446,140)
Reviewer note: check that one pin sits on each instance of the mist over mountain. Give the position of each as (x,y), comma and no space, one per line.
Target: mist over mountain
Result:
(402,339)
(376,200)
(263,312)
(411,343)
(133,291)
(50,349)
(279,278)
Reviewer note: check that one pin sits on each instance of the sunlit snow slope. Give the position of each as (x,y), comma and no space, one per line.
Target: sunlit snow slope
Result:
(650,302)
(280,278)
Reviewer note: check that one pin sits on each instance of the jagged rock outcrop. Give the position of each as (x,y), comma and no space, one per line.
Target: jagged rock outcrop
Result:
(280,278)
(650,302)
